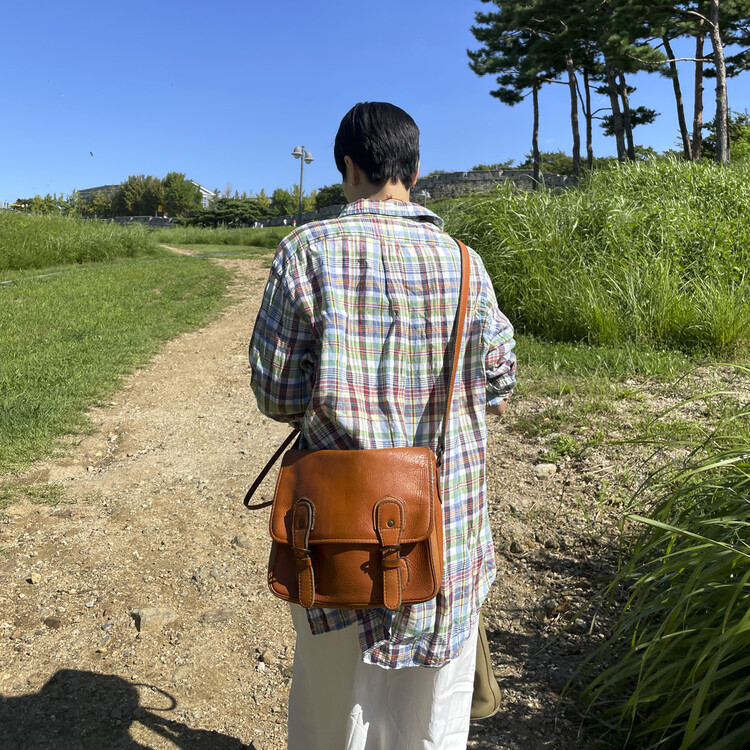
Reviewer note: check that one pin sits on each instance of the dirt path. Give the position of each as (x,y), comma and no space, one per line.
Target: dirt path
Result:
(136,614)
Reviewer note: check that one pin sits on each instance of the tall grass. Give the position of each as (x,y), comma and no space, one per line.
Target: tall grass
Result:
(654,253)
(31,241)
(678,673)
(266,237)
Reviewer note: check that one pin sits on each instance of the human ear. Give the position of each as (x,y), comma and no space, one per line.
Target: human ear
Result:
(416,175)
(352,171)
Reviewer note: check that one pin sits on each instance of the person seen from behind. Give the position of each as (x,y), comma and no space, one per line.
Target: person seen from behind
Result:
(349,346)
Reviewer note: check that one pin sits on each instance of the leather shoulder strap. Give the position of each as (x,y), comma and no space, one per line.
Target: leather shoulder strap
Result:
(458,330)
(266,469)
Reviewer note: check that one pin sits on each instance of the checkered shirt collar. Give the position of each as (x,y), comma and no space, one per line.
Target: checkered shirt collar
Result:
(392,208)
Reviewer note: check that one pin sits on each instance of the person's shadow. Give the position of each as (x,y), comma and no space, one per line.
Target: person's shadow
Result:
(78,710)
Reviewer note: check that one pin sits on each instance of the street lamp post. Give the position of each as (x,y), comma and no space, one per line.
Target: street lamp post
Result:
(305,157)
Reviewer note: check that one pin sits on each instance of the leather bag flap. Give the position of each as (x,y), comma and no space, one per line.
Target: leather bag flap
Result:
(345,486)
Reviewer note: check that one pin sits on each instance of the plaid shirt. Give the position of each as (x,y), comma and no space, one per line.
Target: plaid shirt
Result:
(349,345)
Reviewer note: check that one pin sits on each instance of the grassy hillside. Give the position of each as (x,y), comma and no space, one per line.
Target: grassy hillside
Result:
(654,253)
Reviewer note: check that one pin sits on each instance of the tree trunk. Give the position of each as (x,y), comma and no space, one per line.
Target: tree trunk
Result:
(589,120)
(627,124)
(617,125)
(535,133)
(698,106)
(574,115)
(678,99)
(722,108)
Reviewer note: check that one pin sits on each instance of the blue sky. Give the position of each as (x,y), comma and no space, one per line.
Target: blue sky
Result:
(224,91)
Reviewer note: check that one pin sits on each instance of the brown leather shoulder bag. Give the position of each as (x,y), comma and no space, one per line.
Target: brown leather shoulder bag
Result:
(356,529)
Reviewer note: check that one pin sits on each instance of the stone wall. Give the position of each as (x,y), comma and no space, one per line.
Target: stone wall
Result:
(451,185)
(454,184)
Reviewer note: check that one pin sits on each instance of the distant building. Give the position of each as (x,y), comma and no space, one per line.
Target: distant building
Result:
(206,195)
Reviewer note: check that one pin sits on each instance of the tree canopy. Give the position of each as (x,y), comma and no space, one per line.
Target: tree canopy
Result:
(330,195)
(181,196)
(529,44)
(139,195)
(283,203)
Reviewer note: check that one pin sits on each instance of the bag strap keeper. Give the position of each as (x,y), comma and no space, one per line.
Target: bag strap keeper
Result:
(390,519)
(303,520)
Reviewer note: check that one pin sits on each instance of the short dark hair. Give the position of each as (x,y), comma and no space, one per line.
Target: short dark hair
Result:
(382,140)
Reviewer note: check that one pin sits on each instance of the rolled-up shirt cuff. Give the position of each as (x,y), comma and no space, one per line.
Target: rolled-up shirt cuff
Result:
(495,399)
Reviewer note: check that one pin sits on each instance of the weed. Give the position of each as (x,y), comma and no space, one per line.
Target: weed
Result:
(45,494)
(566,445)
(676,667)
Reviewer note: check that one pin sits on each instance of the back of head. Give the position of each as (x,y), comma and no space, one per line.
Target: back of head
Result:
(382,140)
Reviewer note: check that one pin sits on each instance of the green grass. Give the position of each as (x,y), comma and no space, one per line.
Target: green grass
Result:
(68,339)
(268,237)
(569,365)
(228,251)
(653,254)
(34,242)
(158,254)
(585,382)
(44,494)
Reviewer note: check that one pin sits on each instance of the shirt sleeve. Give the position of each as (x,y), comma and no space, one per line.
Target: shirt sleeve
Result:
(282,353)
(500,361)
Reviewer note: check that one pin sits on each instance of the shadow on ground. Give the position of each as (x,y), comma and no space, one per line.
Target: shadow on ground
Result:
(89,711)
(544,722)
(544,657)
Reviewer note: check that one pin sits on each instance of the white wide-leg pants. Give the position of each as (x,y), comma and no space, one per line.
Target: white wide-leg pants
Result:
(337,702)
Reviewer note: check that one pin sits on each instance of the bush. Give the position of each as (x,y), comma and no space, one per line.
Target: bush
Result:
(229,212)
(655,253)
